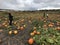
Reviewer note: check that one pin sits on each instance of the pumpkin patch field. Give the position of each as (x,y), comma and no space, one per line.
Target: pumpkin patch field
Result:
(30,28)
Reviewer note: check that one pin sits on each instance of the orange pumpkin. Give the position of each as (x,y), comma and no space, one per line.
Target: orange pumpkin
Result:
(44,21)
(34,28)
(58,28)
(15,32)
(58,23)
(10,32)
(44,25)
(30,21)
(34,31)
(18,27)
(6,18)
(24,25)
(38,33)
(39,26)
(0,25)
(50,25)
(22,20)
(21,28)
(1,30)
(31,41)
(15,22)
(32,34)
(3,23)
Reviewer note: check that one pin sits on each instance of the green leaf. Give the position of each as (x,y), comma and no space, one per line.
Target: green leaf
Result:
(38,41)
(50,40)
(58,42)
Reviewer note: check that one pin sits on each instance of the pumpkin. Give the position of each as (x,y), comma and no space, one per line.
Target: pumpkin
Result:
(10,32)
(15,32)
(31,41)
(58,22)
(21,28)
(39,26)
(30,17)
(58,28)
(32,34)
(24,25)
(44,21)
(0,25)
(1,30)
(44,25)
(3,23)
(22,20)
(50,25)
(6,18)
(38,33)
(18,27)
(34,31)
(15,22)
(30,21)
(34,28)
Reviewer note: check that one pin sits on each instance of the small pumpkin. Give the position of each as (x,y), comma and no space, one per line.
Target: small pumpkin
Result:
(31,41)
(15,32)
(6,18)
(1,30)
(34,31)
(0,25)
(30,21)
(44,25)
(21,28)
(38,33)
(3,23)
(58,28)
(15,22)
(18,27)
(50,25)
(32,34)
(44,21)
(24,25)
(22,20)
(58,23)
(10,32)
(34,28)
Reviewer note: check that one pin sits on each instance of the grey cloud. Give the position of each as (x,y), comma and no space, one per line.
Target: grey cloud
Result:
(29,4)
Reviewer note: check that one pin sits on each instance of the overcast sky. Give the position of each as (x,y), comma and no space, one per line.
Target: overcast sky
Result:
(29,4)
